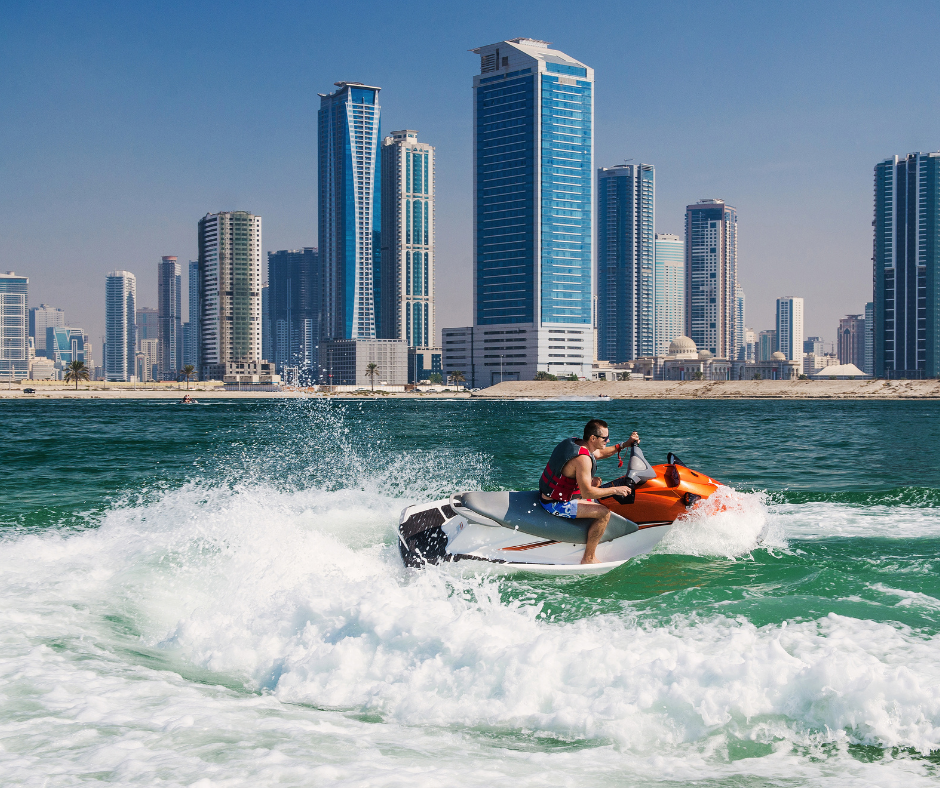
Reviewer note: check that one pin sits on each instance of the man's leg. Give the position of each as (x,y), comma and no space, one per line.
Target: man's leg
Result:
(600,514)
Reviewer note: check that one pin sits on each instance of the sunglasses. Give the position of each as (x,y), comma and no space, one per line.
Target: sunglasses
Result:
(602,437)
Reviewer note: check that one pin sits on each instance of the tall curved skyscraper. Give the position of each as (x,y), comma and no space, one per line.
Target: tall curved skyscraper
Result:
(349,207)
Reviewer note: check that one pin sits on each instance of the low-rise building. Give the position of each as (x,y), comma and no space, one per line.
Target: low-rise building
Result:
(42,368)
(840,372)
(683,362)
(813,362)
(424,362)
(457,347)
(247,372)
(777,367)
(345,362)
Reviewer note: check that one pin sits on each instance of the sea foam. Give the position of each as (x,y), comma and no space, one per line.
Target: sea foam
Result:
(276,625)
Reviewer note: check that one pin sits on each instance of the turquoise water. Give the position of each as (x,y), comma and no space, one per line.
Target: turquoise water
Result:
(212,595)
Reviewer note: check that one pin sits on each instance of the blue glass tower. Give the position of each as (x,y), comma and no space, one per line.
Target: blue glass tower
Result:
(533,255)
(906,263)
(349,210)
(293,298)
(626,199)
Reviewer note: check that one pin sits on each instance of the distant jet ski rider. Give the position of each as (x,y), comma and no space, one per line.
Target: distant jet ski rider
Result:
(571,473)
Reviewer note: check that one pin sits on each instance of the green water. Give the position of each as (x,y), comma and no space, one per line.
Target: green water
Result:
(209,559)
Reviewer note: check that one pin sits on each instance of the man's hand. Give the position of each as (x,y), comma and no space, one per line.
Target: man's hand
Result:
(634,439)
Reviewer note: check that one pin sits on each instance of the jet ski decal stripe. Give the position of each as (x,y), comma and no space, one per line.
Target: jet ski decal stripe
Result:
(641,526)
(531,545)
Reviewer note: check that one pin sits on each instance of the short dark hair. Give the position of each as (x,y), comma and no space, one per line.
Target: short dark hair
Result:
(591,428)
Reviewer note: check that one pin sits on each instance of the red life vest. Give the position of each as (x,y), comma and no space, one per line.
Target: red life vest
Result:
(554,484)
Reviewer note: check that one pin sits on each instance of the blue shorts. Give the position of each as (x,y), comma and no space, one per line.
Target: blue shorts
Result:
(567,509)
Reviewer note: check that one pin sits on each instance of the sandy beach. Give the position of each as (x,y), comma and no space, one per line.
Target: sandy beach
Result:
(721,389)
(636,389)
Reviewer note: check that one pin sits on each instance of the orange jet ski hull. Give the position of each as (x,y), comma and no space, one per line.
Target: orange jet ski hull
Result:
(658,502)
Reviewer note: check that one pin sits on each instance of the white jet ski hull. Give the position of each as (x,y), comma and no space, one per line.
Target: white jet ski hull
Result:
(510,532)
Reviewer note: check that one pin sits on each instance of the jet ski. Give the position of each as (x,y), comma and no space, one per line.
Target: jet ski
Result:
(507,532)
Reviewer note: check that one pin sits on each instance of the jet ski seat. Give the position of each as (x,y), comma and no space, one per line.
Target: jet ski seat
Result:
(523,511)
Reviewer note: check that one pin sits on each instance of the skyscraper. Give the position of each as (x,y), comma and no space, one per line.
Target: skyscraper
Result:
(790,327)
(406,305)
(766,344)
(147,321)
(851,337)
(267,343)
(906,264)
(229,290)
(191,347)
(40,318)
(669,309)
(65,344)
(533,262)
(170,308)
(14,332)
(120,325)
(293,301)
(349,209)
(626,200)
(741,352)
(711,276)
(869,356)
(813,345)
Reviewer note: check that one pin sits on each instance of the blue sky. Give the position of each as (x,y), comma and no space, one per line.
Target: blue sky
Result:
(122,123)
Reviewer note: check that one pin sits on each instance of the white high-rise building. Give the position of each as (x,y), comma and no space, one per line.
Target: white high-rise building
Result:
(405,307)
(670,290)
(790,327)
(711,277)
(229,290)
(120,325)
(40,318)
(14,326)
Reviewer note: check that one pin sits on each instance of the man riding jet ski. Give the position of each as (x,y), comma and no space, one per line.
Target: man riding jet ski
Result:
(554,531)
(569,481)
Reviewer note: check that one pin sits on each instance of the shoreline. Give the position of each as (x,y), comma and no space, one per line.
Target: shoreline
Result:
(534,390)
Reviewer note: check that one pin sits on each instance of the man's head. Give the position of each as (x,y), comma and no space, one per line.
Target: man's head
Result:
(598,430)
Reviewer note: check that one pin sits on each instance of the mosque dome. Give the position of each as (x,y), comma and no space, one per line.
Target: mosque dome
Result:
(778,356)
(704,355)
(682,346)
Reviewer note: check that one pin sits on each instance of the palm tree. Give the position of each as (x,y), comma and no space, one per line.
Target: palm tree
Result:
(372,370)
(188,371)
(76,371)
(457,377)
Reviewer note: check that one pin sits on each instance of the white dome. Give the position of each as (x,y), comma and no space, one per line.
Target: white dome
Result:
(705,355)
(778,356)
(682,346)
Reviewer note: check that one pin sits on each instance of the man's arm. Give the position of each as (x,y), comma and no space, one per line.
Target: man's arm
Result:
(610,451)
(582,474)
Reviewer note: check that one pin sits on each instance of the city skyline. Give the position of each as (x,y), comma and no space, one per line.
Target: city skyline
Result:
(801,102)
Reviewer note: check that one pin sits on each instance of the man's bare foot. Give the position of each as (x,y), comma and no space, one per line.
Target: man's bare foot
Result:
(591,560)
